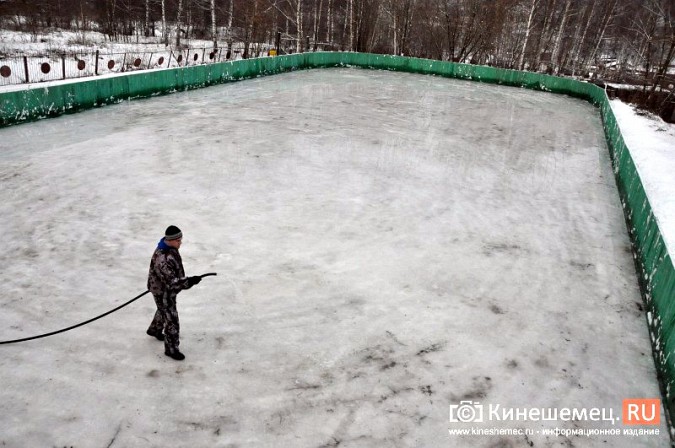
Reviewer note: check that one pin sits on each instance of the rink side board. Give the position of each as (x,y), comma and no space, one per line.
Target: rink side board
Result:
(652,258)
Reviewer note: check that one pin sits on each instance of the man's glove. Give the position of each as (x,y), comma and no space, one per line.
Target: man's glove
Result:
(194,280)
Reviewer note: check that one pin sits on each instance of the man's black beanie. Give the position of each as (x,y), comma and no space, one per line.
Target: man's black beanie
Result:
(172,233)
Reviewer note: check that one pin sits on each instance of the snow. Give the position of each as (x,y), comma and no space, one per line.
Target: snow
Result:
(19,43)
(652,145)
(386,244)
(57,48)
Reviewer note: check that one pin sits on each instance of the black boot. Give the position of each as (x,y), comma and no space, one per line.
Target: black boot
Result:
(178,356)
(159,336)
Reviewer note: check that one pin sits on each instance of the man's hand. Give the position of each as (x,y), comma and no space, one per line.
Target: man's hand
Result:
(194,280)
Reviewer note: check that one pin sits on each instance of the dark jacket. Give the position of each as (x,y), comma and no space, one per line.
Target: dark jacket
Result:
(166,271)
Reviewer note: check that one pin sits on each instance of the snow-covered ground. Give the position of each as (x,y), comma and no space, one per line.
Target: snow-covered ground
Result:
(17,43)
(55,55)
(652,146)
(388,245)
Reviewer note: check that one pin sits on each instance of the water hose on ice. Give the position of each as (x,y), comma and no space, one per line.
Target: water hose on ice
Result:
(63,330)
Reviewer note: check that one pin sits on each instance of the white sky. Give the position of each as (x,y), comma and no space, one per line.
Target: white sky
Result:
(387,245)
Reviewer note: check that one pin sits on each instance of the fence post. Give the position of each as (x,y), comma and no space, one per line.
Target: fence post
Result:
(25,67)
(96,65)
(63,65)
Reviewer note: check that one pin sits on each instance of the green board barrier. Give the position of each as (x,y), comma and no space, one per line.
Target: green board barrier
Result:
(37,102)
(653,261)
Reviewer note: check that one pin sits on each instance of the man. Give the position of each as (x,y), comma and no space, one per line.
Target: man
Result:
(165,280)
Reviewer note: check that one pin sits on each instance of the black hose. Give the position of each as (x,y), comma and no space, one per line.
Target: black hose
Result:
(88,321)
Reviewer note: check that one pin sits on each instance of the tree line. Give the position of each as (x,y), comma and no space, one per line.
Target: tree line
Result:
(617,38)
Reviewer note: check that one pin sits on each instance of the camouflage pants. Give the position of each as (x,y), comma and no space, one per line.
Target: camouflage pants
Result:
(166,320)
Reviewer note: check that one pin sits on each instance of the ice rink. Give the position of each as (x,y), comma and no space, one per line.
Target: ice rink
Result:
(387,245)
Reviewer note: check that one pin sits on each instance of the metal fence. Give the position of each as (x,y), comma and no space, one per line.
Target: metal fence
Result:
(53,67)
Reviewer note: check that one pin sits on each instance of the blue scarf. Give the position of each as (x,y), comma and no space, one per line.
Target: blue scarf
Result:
(162,245)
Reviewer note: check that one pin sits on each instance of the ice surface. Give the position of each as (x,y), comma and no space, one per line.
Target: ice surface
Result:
(387,245)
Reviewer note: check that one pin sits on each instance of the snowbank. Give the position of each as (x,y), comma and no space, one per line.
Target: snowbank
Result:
(652,145)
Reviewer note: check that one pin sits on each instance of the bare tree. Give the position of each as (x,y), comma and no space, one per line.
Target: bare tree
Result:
(654,32)
(555,54)
(401,13)
(574,34)
(146,22)
(298,21)
(606,20)
(179,23)
(329,23)
(229,20)
(318,6)
(528,30)
(165,30)
(110,18)
(665,12)
(214,28)
(585,21)
(429,35)
(546,33)
(350,21)
(292,11)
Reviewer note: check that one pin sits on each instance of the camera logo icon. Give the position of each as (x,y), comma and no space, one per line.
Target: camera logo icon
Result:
(466,412)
